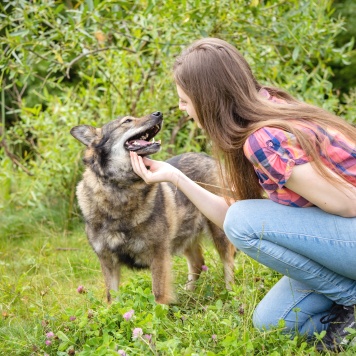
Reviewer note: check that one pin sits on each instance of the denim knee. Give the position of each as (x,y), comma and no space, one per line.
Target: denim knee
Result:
(263,319)
(239,223)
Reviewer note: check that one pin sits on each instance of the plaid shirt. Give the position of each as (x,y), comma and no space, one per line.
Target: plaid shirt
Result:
(274,152)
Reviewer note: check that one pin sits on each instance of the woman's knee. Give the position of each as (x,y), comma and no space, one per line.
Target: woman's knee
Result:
(240,222)
(264,318)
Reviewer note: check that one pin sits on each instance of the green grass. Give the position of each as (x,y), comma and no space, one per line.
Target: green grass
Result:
(40,272)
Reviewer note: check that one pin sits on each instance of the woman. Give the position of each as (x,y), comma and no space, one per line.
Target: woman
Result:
(303,159)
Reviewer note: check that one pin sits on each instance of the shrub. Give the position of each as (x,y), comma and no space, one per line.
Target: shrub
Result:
(66,63)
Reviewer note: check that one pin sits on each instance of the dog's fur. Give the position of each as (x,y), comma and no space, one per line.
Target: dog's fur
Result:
(129,222)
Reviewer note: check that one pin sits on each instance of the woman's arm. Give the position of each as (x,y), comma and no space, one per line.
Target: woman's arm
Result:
(338,199)
(212,206)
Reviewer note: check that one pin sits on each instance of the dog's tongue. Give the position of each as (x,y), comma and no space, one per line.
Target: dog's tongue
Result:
(138,143)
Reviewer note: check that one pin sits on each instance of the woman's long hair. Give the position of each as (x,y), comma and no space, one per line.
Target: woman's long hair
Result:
(224,92)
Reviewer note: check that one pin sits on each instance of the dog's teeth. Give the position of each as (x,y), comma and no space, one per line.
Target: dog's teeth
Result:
(153,140)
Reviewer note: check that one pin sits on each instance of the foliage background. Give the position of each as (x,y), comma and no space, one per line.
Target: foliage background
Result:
(64,63)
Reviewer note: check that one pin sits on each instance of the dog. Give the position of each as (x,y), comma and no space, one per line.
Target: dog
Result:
(129,222)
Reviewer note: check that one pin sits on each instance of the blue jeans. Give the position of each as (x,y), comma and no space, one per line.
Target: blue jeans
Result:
(314,250)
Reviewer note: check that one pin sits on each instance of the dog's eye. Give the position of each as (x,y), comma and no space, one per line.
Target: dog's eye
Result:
(127,121)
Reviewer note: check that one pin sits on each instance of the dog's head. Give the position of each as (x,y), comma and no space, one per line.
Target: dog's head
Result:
(108,147)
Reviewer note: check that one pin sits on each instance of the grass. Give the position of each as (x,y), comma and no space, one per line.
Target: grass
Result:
(41,271)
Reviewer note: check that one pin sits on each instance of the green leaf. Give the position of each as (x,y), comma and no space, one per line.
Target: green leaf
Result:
(295,53)
(62,336)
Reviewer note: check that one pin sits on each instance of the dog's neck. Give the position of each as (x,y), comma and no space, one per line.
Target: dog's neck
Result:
(119,179)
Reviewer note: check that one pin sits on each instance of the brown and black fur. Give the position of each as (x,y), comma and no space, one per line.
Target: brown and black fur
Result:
(129,222)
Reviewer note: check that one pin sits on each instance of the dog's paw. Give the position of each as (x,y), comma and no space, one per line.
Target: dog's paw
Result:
(190,286)
(165,300)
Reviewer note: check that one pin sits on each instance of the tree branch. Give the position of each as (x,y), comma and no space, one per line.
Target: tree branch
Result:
(76,59)
(14,158)
(182,121)
(111,83)
(146,77)
(42,57)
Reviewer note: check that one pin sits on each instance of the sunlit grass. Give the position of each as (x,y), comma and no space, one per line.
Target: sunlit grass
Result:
(40,273)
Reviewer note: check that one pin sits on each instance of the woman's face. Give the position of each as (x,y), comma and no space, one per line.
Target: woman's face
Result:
(185,104)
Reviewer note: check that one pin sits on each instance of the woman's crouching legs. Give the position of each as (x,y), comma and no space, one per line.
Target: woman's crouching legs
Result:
(291,301)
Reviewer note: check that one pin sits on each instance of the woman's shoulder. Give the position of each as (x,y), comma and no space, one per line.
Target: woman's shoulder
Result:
(267,131)
(267,137)
(271,144)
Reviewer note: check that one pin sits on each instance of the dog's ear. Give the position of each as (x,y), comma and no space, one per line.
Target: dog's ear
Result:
(84,133)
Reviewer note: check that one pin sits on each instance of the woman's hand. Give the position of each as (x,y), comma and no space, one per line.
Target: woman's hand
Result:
(212,206)
(158,171)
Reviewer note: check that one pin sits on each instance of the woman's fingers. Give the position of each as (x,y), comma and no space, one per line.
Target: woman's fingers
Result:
(139,167)
(135,163)
(151,171)
(143,170)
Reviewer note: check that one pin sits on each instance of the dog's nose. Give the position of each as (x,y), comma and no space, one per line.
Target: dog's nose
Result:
(157,113)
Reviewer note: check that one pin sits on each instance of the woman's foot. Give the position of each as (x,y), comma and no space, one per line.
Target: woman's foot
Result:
(341,318)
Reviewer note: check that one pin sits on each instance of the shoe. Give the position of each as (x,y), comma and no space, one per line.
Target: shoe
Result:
(339,318)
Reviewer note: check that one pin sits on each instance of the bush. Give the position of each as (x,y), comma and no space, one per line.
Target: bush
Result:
(66,63)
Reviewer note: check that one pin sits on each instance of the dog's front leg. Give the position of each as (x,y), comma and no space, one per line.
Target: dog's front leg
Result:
(111,270)
(162,278)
